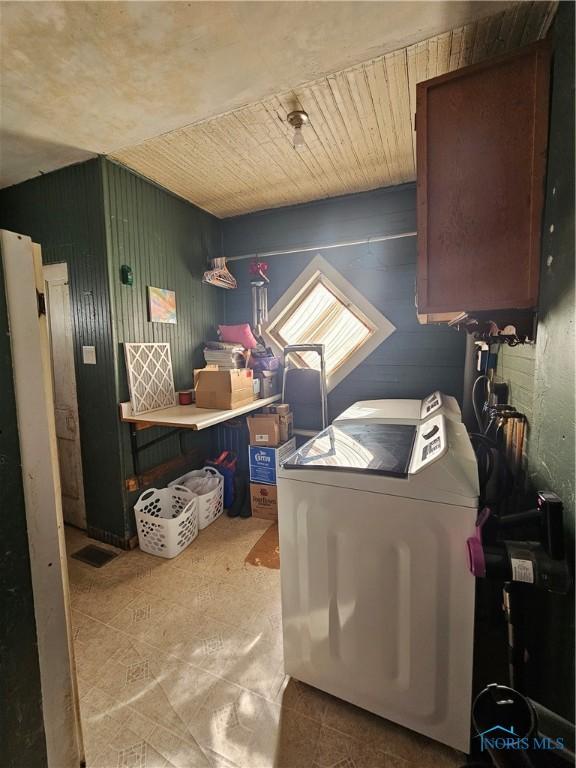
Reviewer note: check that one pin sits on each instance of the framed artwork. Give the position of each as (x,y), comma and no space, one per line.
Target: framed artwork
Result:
(161,305)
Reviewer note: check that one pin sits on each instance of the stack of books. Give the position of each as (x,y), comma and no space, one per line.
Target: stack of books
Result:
(226,356)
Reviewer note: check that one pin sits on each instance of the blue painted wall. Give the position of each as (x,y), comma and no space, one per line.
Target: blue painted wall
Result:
(413,361)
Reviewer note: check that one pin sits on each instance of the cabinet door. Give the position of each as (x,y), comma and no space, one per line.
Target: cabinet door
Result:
(481,160)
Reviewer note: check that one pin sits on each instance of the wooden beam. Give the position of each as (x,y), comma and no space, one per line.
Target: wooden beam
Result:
(151,477)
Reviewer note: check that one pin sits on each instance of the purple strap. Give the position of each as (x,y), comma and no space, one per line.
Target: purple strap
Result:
(476,561)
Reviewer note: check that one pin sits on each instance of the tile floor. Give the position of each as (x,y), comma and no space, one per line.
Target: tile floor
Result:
(180,665)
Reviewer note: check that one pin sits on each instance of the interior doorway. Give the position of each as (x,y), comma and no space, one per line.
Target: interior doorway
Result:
(65,399)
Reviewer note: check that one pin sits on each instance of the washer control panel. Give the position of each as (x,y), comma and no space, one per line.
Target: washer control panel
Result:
(430,405)
(430,443)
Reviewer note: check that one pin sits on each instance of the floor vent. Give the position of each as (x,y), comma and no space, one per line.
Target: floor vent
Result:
(93,555)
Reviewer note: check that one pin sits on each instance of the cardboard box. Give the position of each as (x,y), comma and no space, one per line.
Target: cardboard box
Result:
(283,409)
(197,371)
(268,383)
(264,501)
(270,429)
(264,429)
(286,422)
(264,462)
(224,390)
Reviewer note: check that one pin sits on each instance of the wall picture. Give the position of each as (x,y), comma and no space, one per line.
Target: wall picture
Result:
(161,305)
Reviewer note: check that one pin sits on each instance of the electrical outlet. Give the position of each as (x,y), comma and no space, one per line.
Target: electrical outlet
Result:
(89,355)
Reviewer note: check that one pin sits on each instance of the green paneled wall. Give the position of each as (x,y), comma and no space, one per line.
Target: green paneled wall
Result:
(97,216)
(64,212)
(516,366)
(541,377)
(167,243)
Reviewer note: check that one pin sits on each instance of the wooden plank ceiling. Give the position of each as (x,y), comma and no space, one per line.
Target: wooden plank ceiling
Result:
(360,135)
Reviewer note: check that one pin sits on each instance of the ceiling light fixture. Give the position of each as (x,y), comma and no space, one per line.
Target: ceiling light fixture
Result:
(297,119)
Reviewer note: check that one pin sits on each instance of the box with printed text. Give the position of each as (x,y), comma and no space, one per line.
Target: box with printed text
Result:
(264,501)
(264,461)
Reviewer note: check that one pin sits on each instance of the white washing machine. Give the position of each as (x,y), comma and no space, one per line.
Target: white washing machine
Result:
(401,411)
(377,598)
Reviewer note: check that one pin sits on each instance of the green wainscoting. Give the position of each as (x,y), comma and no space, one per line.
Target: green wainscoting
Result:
(97,216)
(167,243)
(64,212)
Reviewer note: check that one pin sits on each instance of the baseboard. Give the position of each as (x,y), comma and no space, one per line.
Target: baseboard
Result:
(111,538)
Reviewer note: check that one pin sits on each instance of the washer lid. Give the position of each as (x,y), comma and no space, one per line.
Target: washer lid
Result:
(380,449)
(442,467)
(385,411)
(400,411)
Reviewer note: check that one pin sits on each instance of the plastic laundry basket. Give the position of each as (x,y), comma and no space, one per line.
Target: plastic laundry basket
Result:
(166,520)
(208,485)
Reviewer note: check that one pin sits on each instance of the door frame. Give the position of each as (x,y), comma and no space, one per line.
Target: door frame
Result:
(31,363)
(57,274)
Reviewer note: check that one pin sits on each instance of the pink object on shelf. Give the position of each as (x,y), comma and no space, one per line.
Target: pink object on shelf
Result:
(238,334)
(186,396)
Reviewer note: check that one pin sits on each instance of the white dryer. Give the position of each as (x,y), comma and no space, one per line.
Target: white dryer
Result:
(401,411)
(377,598)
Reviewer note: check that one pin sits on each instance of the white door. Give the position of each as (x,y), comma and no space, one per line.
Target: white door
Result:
(22,263)
(65,401)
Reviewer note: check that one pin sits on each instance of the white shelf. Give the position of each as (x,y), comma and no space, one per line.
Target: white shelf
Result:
(190,416)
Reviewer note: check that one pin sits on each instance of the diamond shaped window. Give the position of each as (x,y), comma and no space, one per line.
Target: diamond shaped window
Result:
(322,307)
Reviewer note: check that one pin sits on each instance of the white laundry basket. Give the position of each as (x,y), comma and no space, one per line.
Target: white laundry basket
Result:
(166,520)
(210,501)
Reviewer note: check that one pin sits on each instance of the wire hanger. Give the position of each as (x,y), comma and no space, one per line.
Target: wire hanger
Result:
(219,275)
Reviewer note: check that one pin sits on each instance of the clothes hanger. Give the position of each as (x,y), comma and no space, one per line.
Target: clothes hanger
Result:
(219,275)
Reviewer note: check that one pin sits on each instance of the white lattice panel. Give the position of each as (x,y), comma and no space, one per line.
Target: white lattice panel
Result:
(149,368)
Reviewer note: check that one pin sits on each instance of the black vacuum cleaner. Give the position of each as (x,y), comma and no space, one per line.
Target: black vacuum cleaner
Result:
(527,552)
(517,732)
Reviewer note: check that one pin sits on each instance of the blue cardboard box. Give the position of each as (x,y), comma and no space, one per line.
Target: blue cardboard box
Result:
(264,462)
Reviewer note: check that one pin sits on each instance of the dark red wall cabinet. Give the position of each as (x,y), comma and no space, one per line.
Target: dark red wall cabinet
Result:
(481,152)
